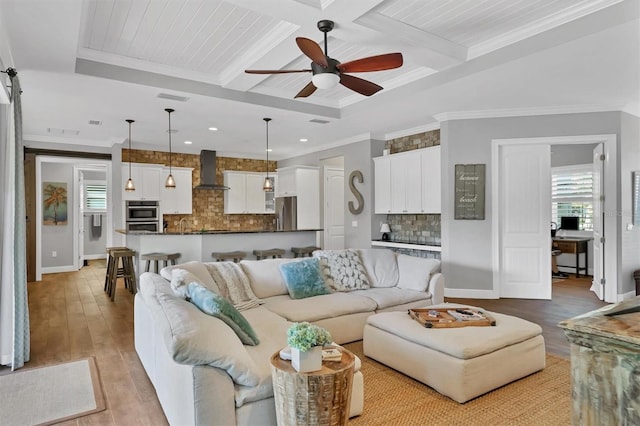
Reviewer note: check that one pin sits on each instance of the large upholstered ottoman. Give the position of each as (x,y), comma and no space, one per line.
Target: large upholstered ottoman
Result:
(461,363)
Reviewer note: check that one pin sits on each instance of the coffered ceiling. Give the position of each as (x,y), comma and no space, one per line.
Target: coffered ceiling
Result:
(109,60)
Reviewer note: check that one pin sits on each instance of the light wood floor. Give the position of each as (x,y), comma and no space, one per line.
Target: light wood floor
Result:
(72,318)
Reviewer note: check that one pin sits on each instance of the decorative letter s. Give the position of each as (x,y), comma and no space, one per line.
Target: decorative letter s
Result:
(356,174)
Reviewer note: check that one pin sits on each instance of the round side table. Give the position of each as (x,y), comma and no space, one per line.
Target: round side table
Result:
(320,397)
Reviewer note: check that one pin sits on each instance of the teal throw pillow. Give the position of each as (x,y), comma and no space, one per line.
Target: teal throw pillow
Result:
(215,305)
(304,278)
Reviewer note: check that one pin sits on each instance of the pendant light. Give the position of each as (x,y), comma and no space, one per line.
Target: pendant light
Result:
(170,183)
(268,185)
(129,187)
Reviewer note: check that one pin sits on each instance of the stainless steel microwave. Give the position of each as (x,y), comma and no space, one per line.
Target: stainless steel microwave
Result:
(142,211)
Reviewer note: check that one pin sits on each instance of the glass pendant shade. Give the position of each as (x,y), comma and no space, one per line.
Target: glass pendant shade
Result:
(129,187)
(170,183)
(268,185)
(325,80)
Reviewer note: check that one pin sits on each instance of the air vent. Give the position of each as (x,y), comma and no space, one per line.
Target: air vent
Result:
(173,97)
(95,122)
(62,132)
(317,120)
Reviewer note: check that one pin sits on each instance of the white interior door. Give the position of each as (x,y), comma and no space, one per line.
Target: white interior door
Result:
(79,263)
(333,208)
(525,214)
(598,282)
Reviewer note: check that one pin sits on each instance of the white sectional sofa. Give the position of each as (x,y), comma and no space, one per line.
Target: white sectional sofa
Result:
(202,372)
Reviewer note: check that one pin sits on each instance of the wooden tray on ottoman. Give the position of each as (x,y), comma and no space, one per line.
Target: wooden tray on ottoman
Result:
(441,318)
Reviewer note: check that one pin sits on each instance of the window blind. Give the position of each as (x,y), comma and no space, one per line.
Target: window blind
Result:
(95,197)
(572,194)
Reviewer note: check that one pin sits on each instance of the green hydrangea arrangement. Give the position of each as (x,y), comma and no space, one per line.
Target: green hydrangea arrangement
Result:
(303,336)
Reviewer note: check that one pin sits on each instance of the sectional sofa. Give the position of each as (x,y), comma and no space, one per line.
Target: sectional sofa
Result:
(204,374)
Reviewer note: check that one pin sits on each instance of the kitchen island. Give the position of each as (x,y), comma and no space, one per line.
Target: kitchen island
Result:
(199,245)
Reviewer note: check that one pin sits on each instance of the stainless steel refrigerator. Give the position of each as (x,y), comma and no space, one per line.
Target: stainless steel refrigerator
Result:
(287,213)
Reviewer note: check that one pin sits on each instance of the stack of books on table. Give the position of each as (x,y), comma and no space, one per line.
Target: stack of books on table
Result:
(331,354)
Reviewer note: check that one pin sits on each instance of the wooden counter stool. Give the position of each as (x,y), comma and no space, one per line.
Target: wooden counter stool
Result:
(156,258)
(236,256)
(275,253)
(114,271)
(303,251)
(110,263)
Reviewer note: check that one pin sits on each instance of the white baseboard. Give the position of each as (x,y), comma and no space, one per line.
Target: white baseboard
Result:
(467,293)
(94,256)
(57,269)
(627,295)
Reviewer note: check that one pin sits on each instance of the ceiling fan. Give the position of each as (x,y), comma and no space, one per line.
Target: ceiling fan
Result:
(328,72)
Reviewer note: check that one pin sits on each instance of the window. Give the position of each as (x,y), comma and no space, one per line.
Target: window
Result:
(572,194)
(94,196)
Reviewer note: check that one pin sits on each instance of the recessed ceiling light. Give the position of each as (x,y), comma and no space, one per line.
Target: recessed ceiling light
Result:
(213,129)
(303,139)
(188,142)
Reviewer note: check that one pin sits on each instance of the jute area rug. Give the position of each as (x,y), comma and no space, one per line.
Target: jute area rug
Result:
(391,398)
(51,394)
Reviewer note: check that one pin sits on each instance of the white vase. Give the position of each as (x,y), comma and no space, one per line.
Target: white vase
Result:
(307,361)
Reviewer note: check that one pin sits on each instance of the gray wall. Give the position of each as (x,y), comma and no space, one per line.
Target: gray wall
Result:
(467,244)
(58,238)
(630,241)
(357,156)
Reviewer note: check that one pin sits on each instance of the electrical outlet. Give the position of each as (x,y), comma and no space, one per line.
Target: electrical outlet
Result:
(54,254)
(629,226)
(354,223)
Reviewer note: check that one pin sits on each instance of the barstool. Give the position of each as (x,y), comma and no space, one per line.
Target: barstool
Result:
(156,258)
(303,251)
(263,254)
(109,264)
(236,256)
(114,271)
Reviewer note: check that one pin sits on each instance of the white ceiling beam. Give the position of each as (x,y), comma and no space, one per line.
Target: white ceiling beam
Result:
(441,54)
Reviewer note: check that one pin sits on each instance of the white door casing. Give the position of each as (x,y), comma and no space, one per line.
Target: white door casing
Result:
(525,197)
(333,208)
(598,282)
(80,217)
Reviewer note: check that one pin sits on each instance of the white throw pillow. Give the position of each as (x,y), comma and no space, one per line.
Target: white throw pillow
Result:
(342,269)
(415,272)
(191,272)
(233,284)
(381,267)
(264,276)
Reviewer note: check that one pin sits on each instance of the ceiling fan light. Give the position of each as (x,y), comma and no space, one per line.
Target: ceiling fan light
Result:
(129,187)
(325,80)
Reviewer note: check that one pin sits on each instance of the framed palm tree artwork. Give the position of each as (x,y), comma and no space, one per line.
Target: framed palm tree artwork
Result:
(54,203)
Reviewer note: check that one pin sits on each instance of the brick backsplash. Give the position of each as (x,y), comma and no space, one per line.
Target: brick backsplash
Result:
(417,141)
(208,205)
(416,228)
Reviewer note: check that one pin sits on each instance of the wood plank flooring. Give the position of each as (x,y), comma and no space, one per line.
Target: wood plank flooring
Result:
(72,317)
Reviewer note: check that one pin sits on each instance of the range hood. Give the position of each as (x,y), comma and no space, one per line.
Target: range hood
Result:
(208,171)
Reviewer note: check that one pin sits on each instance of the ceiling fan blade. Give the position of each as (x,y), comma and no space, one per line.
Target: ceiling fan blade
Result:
(359,85)
(306,91)
(373,63)
(274,71)
(312,50)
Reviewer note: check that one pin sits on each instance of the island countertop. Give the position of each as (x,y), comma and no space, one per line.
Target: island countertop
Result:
(199,245)
(215,232)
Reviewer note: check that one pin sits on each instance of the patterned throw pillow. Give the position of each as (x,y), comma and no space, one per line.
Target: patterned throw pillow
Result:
(303,278)
(215,305)
(342,269)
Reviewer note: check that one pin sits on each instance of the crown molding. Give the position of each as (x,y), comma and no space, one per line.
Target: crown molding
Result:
(523,112)
(412,131)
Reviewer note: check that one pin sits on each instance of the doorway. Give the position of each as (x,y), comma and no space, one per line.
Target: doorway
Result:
(521,212)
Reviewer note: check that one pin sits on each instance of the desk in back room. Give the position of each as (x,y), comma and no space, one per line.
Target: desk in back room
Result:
(574,245)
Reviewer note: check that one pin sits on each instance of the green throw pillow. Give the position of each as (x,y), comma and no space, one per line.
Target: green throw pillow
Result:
(303,278)
(215,305)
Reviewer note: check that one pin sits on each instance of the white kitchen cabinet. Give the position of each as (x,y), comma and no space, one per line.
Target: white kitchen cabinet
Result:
(431,180)
(408,182)
(245,194)
(304,183)
(382,186)
(146,179)
(178,200)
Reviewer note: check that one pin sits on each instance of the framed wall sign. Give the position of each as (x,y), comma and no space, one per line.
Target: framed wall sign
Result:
(469,191)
